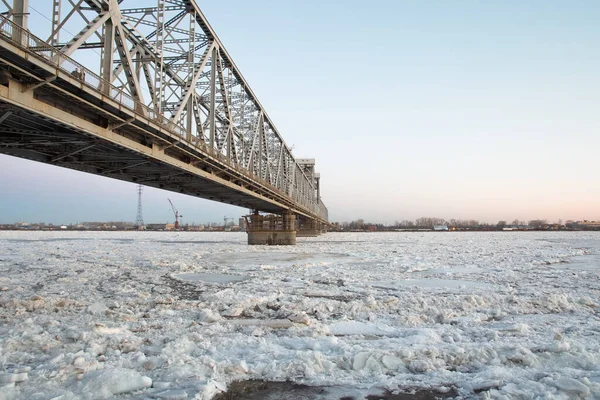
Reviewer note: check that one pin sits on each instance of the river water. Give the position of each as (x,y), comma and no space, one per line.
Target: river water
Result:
(183,315)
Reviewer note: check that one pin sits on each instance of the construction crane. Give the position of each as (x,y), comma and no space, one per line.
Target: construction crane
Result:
(177,216)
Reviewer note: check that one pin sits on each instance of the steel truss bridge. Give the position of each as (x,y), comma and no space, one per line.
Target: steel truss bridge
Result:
(146,95)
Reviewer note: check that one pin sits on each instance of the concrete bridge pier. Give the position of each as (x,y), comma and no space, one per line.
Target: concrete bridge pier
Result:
(323,227)
(308,228)
(271,229)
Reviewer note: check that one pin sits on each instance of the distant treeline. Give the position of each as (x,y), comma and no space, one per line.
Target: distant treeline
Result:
(430,223)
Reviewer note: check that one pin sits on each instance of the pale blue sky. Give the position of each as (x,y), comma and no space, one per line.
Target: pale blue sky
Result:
(457,109)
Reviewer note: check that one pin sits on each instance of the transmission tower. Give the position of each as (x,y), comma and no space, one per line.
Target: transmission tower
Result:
(139,220)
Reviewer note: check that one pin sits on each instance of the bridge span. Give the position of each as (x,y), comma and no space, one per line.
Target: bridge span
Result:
(149,95)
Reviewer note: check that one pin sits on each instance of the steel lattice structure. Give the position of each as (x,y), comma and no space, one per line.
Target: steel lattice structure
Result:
(167,65)
(139,219)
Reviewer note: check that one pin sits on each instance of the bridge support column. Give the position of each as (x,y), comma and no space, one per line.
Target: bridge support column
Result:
(308,228)
(323,228)
(271,229)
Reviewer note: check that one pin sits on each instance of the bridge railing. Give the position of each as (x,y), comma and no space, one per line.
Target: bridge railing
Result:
(54,56)
(6,28)
(49,54)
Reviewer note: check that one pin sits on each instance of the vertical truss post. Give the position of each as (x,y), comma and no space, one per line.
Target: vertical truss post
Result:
(192,73)
(189,118)
(149,82)
(138,66)
(198,119)
(261,132)
(318,184)
(213,96)
(55,22)
(291,177)
(159,69)
(228,130)
(106,61)
(229,143)
(20,17)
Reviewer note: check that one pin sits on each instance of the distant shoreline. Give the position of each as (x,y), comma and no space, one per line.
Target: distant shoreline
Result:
(334,231)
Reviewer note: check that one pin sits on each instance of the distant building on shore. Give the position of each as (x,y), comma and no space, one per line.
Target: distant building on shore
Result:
(517,228)
(587,225)
(156,227)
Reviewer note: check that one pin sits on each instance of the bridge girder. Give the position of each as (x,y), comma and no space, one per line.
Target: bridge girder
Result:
(167,61)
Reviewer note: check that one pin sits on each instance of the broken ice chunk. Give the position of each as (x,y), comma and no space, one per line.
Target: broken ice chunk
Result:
(391,362)
(96,308)
(108,382)
(208,315)
(13,378)
(572,386)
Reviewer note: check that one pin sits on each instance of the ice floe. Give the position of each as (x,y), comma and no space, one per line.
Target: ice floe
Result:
(99,315)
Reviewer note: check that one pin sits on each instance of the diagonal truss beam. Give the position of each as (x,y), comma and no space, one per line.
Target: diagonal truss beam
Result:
(72,153)
(191,86)
(85,33)
(132,79)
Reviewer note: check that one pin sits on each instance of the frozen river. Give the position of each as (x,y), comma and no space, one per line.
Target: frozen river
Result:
(94,315)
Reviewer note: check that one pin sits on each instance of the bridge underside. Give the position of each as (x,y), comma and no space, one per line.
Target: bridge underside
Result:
(58,124)
(27,134)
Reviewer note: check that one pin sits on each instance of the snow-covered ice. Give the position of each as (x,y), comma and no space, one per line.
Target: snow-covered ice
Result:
(99,315)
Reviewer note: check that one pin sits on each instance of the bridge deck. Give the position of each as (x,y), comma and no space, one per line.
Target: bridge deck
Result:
(50,115)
